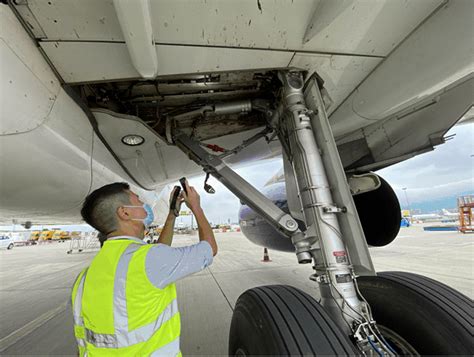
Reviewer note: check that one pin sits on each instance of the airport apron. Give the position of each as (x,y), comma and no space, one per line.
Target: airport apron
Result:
(118,311)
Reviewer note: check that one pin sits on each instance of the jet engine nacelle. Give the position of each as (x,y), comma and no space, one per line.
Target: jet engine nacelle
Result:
(379,213)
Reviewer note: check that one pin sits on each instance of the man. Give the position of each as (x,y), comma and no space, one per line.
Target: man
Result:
(124,303)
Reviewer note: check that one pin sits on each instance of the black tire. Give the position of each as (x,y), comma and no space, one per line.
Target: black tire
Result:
(10,246)
(279,320)
(432,317)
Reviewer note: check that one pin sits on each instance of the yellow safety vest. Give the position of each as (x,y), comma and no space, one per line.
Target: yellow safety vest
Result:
(118,311)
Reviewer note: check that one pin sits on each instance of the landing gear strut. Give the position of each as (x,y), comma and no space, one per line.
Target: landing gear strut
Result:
(333,241)
(334,272)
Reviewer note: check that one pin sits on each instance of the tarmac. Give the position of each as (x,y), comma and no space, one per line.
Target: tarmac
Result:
(35,283)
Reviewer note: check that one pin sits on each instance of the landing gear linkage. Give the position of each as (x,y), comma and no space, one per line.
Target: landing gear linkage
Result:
(333,238)
(246,192)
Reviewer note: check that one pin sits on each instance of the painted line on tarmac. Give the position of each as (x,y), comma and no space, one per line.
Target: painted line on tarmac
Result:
(25,330)
(222,291)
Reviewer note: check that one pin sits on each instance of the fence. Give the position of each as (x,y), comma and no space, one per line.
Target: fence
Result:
(85,241)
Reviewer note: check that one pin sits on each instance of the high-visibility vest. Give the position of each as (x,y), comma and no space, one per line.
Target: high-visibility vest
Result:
(118,311)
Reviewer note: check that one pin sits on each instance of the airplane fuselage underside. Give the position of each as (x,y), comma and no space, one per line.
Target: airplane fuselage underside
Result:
(71,90)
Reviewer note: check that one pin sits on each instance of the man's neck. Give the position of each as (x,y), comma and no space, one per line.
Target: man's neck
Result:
(127,232)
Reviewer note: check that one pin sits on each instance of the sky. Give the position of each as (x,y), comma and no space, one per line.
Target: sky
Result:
(446,171)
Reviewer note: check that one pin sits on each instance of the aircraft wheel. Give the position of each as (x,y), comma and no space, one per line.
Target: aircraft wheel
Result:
(10,246)
(282,320)
(419,315)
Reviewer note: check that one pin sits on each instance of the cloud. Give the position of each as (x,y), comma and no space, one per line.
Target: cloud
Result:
(445,171)
(423,194)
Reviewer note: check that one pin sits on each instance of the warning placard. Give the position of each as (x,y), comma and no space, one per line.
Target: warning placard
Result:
(341,256)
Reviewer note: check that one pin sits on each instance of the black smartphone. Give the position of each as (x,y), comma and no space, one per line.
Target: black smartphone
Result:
(182,181)
(175,198)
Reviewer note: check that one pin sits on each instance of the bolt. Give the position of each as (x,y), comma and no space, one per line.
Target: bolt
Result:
(290,224)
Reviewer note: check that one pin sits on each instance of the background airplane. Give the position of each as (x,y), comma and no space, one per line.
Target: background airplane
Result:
(444,215)
(427,217)
(448,214)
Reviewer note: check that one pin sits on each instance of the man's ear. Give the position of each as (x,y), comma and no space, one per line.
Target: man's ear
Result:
(123,214)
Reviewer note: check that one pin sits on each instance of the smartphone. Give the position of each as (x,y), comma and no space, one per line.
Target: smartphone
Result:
(182,181)
(175,198)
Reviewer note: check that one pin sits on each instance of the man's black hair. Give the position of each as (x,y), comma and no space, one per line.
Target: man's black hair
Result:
(102,238)
(100,207)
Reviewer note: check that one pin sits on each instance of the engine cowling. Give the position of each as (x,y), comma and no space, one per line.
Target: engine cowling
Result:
(379,214)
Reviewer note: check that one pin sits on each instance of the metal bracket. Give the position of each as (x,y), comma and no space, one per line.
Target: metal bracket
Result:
(363,183)
(208,188)
(334,209)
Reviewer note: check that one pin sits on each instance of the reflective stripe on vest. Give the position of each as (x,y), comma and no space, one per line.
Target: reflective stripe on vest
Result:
(77,308)
(122,337)
(167,350)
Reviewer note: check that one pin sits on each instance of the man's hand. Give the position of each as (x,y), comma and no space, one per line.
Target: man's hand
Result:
(191,198)
(194,203)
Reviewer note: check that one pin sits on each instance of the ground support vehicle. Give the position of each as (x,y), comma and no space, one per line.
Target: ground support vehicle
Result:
(61,236)
(6,242)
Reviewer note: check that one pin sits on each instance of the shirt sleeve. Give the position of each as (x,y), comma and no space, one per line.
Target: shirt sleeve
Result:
(165,265)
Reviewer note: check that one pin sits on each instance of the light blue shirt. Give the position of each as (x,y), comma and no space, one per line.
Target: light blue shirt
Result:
(165,265)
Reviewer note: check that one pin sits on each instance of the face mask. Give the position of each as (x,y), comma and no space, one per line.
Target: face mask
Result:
(148,220)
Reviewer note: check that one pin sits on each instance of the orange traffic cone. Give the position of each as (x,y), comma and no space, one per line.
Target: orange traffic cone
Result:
(266,257)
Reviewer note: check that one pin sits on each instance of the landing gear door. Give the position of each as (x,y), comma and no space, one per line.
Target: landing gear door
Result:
(349,221)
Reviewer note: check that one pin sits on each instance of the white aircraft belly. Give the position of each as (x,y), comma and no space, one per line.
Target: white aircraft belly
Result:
(359,27)
(84,61)
(435,56)
(50,158)
(216,36)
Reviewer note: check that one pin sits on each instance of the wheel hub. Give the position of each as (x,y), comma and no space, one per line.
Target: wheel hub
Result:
(402,346)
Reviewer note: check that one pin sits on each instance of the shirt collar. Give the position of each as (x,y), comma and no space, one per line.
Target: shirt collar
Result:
(135,239)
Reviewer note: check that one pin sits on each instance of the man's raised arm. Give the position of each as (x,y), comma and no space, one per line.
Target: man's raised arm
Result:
(205,231)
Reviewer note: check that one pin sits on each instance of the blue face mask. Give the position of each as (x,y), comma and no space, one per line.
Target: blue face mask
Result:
(148,220)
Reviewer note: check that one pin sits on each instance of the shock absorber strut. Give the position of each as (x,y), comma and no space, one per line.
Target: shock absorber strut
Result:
(333,269)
